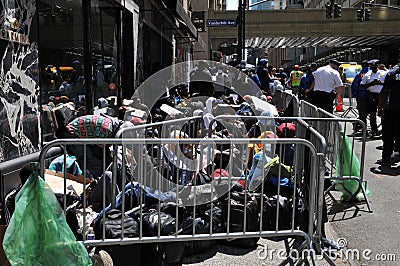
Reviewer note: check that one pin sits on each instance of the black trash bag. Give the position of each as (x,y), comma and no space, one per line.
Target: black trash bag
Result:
(170,208)
(269,215)
(169,253)
(163,254)
(113,228)
(202,178)
(236,218)
(217,223)
(151,220)
(200,227)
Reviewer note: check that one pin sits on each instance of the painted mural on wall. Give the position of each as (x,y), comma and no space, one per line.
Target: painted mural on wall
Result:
(19,79)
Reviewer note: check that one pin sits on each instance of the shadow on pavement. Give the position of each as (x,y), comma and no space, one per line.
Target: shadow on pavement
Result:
(198,258)
(386,170)
(344,210)
(235,251)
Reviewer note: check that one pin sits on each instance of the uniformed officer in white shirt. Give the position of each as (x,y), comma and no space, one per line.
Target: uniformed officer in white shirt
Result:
(373,82)
(327,83)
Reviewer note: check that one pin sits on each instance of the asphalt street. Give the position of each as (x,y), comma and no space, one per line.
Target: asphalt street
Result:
(375,234)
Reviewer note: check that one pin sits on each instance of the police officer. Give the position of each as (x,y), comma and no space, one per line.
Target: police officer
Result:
(327,82)
(373,83)
(389,109)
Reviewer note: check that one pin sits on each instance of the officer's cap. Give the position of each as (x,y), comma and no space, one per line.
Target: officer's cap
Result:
(335,62)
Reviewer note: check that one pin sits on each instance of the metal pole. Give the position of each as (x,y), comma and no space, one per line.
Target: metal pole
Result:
(243,28)
(240,32)
(87,59)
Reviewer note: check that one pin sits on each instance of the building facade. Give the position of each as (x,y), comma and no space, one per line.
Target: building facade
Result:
(83,50)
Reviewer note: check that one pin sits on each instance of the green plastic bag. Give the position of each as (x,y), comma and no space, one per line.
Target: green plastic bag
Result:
(38,233)
(349,165)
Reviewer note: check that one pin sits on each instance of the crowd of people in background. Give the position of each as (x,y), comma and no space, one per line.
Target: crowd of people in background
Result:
(320,85)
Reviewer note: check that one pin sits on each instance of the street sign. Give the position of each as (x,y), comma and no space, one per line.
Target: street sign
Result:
(221,22)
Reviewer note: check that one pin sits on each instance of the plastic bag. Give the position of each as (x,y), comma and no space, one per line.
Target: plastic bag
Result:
(349,165)
(38,233)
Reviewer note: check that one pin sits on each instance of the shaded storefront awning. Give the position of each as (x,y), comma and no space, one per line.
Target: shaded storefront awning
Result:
(185,21)
(283,42)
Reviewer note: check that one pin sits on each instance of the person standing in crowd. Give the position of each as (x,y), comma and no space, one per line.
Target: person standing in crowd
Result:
(307,83)
(263,75)
(78,81)
(282,76)
(389,109)
(342,74)
(295,78)
(274,80)
(222,82)
(373,83)
(327,82)
(360,93)
(201,80)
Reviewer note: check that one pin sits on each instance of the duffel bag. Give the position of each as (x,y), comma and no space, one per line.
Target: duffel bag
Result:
(237,218)
(270,218)
(200,227)
(166,253)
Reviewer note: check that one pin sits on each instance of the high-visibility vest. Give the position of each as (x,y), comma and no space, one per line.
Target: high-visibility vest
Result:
(296,78)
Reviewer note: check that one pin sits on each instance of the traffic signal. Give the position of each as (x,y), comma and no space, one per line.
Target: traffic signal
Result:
(53,19)
(46,19)
(328,11)
(337,11)
(367,14)
(360,15)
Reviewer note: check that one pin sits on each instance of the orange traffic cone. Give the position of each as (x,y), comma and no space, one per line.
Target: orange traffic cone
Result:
(339,105)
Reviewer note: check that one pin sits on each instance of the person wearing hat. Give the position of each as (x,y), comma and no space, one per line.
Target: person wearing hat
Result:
(327,82)
(373,83)
(295,78)
(389,109)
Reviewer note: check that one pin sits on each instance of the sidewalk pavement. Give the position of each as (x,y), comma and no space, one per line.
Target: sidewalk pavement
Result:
(221,255)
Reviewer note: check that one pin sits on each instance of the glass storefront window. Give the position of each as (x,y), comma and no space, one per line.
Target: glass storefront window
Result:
(61,57)
(106,47)
(70,69)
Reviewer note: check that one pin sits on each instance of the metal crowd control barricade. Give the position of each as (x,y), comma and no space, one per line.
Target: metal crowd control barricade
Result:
(132,157)
(307,109)
(287,102)
(192,126)
(187,127)
(339,135)
(303,131)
